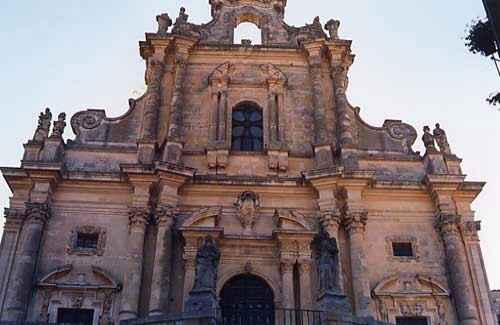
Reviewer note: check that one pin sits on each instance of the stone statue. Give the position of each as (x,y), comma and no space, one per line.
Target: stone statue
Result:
(42,131)
(164,22)
(207,261)
(442,140)
(333,28)
(328,262)
(428,140)
(59,126)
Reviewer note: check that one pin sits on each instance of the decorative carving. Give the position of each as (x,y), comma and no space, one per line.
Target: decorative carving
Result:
(164,22)
(106,309)
(154,73)
(274,75)
(59,126)
(87,120)
(330,221)
(333,28)
(183,17)
(428,140)
(442,140)
(471,229)
(43,129)
(247,204)
(411,308)
(44,309)
(72,247)
(77,302)
(403,132)
(37,212)
(221,75)
(207,261)
(328,262)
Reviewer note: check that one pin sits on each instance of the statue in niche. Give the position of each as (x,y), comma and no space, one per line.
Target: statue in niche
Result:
(207,262)
(442,140)
(164,22)
(42,131)
(59,126)
(332,26)
(328,262)
(428,140)
(247,205)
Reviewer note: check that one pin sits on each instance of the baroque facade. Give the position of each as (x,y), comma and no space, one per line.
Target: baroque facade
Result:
(242,179)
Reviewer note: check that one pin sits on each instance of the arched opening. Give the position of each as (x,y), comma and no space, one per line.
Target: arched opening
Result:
(247,299)
(248,31)
(247,127)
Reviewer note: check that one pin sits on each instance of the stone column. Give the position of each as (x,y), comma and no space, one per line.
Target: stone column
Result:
(286,269)
(306,299)
(189,256)
(11,232)
(147,142)
(355,222)
(323,155)
(160,286)
(458,272)
(173,148)
(345,115)
(138,219)
(21,280)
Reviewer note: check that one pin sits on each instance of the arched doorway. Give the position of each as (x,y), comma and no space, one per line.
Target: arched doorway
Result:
(247,300)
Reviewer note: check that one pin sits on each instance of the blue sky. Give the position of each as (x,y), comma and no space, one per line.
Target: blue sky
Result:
(411,64)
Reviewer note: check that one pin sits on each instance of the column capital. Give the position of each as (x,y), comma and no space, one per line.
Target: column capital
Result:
(286,265)
(305,266)
(138,217)
(355,221)
(165,215)
(37,213)
(448,224)
(330,220)
(471,230)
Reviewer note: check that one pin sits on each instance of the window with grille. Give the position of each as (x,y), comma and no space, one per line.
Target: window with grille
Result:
(402,249)
(87,241)
(75,316)
(247,128)
(411,321)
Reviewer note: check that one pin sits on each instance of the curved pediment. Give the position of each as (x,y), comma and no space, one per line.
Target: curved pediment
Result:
(70,278)
(290,220)
(204,218)
(415,285)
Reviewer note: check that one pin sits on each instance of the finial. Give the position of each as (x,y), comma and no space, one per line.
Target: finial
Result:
(428,140)
(43,128)
(59,126)
(442,140)
(333,28)
(164,22)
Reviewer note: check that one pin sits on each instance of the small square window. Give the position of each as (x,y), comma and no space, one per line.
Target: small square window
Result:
(87,241)
(411,321)
(402,249)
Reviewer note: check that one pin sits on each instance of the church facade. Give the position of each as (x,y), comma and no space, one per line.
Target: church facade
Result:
(244,182)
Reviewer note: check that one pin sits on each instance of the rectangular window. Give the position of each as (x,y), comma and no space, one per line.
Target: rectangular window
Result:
(75,316)
(87,241)
(402,249)
(411,321)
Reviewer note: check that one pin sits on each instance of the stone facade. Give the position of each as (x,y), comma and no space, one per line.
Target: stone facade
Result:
(113,221)
(495,297)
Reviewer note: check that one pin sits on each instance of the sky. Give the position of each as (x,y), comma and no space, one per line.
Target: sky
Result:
(411,64)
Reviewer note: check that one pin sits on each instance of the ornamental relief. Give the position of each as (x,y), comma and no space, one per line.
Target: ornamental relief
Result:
(247,205)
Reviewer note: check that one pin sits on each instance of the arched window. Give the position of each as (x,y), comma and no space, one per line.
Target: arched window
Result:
(247,128)
(248,31)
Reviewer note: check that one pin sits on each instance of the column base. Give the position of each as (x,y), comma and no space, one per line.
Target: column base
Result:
(336,303)
(127,315)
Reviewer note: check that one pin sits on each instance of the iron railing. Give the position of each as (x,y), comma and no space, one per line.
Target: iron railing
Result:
(273,316)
